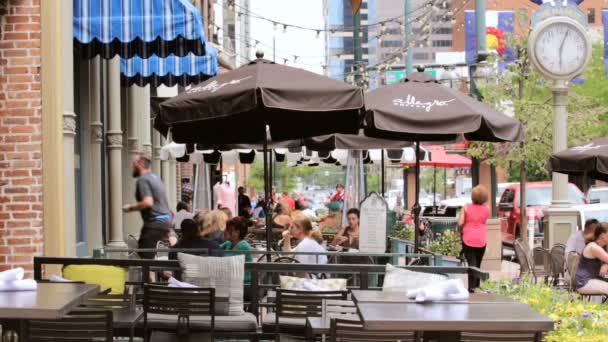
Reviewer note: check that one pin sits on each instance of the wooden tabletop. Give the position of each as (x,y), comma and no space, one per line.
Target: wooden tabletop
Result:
(475,317)
(370,296)
(49,301)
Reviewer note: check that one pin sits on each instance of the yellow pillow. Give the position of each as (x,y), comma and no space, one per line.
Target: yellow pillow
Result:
(305,284)
(105,276)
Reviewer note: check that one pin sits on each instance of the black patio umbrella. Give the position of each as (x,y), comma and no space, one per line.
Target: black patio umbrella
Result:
(421,109)
(261,102)
(590,160)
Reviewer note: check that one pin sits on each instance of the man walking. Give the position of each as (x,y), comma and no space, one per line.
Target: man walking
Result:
(152,204)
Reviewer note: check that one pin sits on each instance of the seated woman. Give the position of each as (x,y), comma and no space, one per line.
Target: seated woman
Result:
(214,224)
(236,230)
(282,217)
(191,239)
(586,280)
(348,237)
(301,230)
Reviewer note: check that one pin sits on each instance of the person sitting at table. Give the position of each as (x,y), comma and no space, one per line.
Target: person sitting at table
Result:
(236,230)
(282,217)
(191,239)
(301,230)
(576,241)
(586,279)
(214,224)
(348,237)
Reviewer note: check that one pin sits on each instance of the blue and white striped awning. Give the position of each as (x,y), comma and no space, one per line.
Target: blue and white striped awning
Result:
(170,70)
(138,27)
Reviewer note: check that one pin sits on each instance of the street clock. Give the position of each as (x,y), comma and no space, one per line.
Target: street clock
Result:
(560,48)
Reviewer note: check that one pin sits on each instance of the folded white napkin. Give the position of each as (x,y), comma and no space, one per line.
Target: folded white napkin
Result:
(58,279)
(176,283)
(14,274)
(18,285)
(449,290)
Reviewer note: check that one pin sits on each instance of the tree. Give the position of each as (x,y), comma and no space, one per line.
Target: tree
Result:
(324,176)
(533,107)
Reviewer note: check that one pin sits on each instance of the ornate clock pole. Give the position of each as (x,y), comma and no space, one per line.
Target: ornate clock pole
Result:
(560,49)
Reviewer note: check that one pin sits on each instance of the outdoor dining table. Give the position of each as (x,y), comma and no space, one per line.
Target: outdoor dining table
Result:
(49,301)
(443,321)
(370,296)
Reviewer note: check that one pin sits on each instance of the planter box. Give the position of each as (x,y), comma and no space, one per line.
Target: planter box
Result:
(446,261)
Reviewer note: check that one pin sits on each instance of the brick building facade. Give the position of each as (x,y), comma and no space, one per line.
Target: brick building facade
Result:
(21,209)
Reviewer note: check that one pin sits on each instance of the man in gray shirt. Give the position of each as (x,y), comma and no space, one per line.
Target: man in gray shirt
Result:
(576,241)
(152,204)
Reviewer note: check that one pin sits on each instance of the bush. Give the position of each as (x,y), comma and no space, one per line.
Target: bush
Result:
(448,244)
(575,320)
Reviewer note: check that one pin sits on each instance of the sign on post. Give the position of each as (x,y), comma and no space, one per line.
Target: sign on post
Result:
(372,227)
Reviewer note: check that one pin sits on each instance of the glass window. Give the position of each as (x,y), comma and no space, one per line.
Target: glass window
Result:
(591,15)
(442,43)
(421,55)
(538,197)
(442,30)
(508,196)
(600,196)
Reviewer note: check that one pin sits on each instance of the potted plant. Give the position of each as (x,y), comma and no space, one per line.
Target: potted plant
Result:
(447,246)
(401,237)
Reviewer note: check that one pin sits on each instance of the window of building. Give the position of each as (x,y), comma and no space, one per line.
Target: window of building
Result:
(442,43)
(391,43)
(442,30)
(591,15)
(444,18)
(418,56)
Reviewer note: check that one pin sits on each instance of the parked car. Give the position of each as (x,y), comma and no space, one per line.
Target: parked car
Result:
(598,194)
(598,211)
(538,198)
(500,188)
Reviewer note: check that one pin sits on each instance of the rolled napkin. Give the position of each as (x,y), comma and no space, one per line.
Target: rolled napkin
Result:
(58,279)
(176,283)
(18,285)
(11,275)
(449,290)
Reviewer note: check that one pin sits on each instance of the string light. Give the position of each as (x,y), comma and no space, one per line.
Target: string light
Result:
(318,34)
(231,6)
(284,28)
(274,25)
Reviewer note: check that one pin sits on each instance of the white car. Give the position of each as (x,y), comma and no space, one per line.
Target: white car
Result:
(456,202)
(598,194)
(598,211)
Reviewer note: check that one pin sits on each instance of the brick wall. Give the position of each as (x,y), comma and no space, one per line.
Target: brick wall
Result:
(20,134)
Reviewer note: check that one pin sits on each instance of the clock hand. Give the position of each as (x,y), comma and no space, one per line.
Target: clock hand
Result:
(561,48)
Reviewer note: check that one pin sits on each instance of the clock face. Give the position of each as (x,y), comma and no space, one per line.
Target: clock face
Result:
(561,48)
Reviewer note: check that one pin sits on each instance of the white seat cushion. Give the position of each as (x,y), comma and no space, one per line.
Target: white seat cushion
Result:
(243,323)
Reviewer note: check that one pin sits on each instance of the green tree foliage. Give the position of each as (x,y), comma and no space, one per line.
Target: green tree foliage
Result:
(287,178)
(534,108)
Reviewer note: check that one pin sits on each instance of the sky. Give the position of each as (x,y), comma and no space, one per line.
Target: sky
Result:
(294,42)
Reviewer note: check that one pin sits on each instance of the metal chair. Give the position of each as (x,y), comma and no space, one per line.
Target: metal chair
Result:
(522,258)
(123,307)
(352,331)
(498,337)
(558,259)
(166,303)
(572,266)
(82,326)
(543,265)
(294,306)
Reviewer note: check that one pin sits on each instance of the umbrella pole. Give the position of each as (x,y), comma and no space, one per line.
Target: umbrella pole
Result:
(267,199)
(416,208)
(435,188)
(382,170)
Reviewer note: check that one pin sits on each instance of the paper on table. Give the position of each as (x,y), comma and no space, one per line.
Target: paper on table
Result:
(18,285)
(14,274)
(176,283)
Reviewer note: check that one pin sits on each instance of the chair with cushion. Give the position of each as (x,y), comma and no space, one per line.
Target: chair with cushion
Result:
(352,331)
(178,309)
(292,308)
(82,326)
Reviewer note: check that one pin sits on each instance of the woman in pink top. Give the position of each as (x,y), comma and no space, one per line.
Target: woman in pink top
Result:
(473,223)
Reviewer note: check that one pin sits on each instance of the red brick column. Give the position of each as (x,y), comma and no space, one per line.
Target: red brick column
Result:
(20,134)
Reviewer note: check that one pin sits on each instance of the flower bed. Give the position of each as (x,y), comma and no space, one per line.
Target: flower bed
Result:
(575,320)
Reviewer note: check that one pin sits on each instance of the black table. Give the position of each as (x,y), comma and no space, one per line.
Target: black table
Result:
(370,296)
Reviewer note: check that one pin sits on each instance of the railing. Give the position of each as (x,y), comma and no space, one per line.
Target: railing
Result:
(261,272)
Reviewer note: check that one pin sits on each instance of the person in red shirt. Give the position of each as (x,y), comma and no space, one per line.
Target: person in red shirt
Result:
(290,201)
(339,195)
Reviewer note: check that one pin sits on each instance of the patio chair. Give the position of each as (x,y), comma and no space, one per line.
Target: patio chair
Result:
(292,308)
(178,310)
(572,265)
(558,259)
(522,258)
(543,265)
(123,306)
(497,336)
(83,326)
(352,331)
